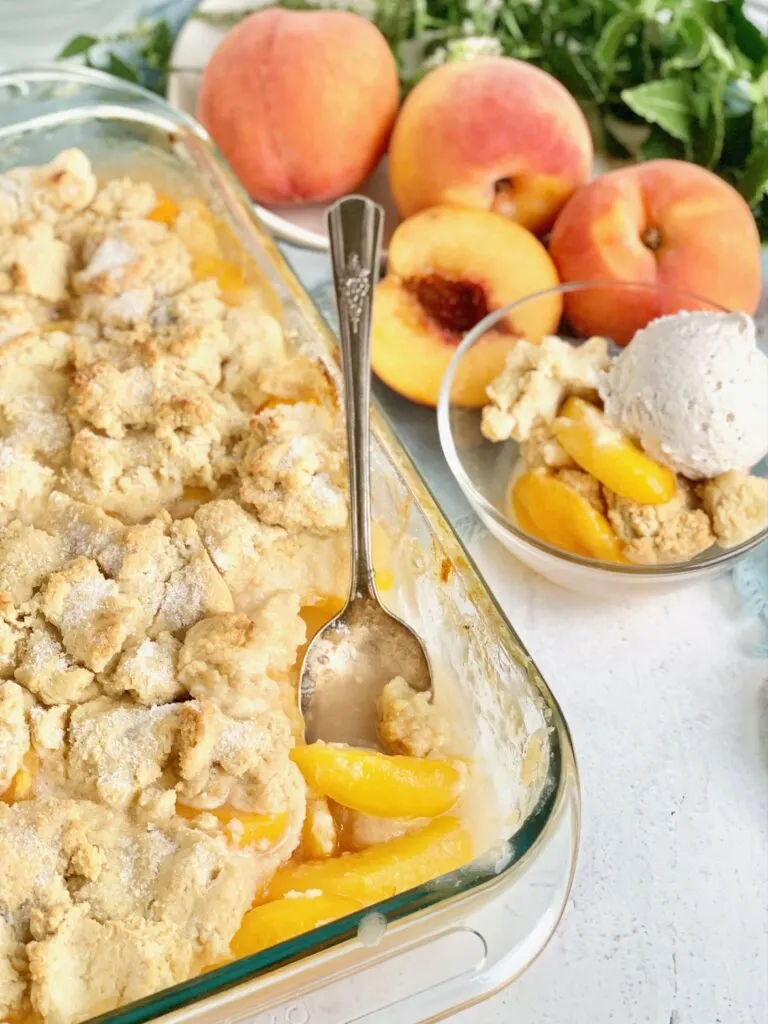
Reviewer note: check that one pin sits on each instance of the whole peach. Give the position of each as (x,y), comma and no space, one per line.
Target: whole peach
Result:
(665,222)
(301,103)
(492,133)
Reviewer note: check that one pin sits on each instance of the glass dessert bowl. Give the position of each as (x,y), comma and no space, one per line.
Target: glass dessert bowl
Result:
(583,499)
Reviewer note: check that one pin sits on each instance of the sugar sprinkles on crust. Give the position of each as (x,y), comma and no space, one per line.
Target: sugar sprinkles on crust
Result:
(155,654)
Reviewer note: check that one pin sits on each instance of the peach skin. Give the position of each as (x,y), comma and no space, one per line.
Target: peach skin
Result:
(493,134)
(301,103)
(665,222)
(448,268)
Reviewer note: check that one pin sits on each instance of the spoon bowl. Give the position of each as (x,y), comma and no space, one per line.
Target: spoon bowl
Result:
(348,664)
(354,656)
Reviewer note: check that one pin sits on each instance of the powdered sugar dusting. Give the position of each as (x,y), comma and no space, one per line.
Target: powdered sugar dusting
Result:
(8,457)
(126,744)
(301,447)
(183,600)
(140,863)
(324,492)
(204,862)
(30,848)
(139,384)
(111,557)
(110,258)
(152,663)
(44,653)
(86,598)
(84,539)
(37,425)
(131,306)
(238,736)
(221,559)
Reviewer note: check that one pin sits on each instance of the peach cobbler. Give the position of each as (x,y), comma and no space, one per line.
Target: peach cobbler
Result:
(173,521)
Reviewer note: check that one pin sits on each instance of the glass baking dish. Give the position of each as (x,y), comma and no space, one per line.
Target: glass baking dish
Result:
(423,954)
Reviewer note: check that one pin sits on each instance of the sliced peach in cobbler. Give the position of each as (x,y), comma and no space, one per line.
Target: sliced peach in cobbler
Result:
(23,782)
(303,896)
(549,509)
(381,871)
(387,786)
(602,450)
(230,278)
(165,210)
(286,918)
(250,828)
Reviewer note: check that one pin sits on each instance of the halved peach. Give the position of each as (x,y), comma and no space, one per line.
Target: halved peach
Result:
(602,450)
(384,785)
(380,871)
(285,918)
(448,268)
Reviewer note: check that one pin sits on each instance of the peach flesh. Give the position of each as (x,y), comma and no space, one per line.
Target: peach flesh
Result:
(448,268)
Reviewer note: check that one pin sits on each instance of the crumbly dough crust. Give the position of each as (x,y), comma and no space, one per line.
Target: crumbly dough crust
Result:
(737,505)
(408,723)
(536,381)
(655,534)
(172,494)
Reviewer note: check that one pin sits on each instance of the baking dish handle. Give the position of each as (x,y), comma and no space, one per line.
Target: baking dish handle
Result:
(498,942)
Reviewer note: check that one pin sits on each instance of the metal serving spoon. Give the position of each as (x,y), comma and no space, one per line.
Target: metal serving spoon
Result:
(352,657)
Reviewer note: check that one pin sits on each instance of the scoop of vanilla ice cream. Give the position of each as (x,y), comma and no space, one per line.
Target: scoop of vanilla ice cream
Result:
(692,389)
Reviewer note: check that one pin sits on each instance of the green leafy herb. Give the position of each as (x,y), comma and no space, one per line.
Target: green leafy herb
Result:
(144,53)
(753,182)
(666,103)
(78,45)
(117,67)
(656,78)
(657,145)
(611,41)
(686,79)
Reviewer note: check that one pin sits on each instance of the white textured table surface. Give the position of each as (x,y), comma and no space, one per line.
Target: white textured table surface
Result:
(668,919)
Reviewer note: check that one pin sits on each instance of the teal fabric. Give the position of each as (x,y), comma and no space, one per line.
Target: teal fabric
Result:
(751,579)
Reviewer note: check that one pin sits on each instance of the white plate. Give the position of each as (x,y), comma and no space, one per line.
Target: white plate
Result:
(301,225)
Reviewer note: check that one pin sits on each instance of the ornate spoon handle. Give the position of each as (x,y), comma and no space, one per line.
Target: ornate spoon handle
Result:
(355,227)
